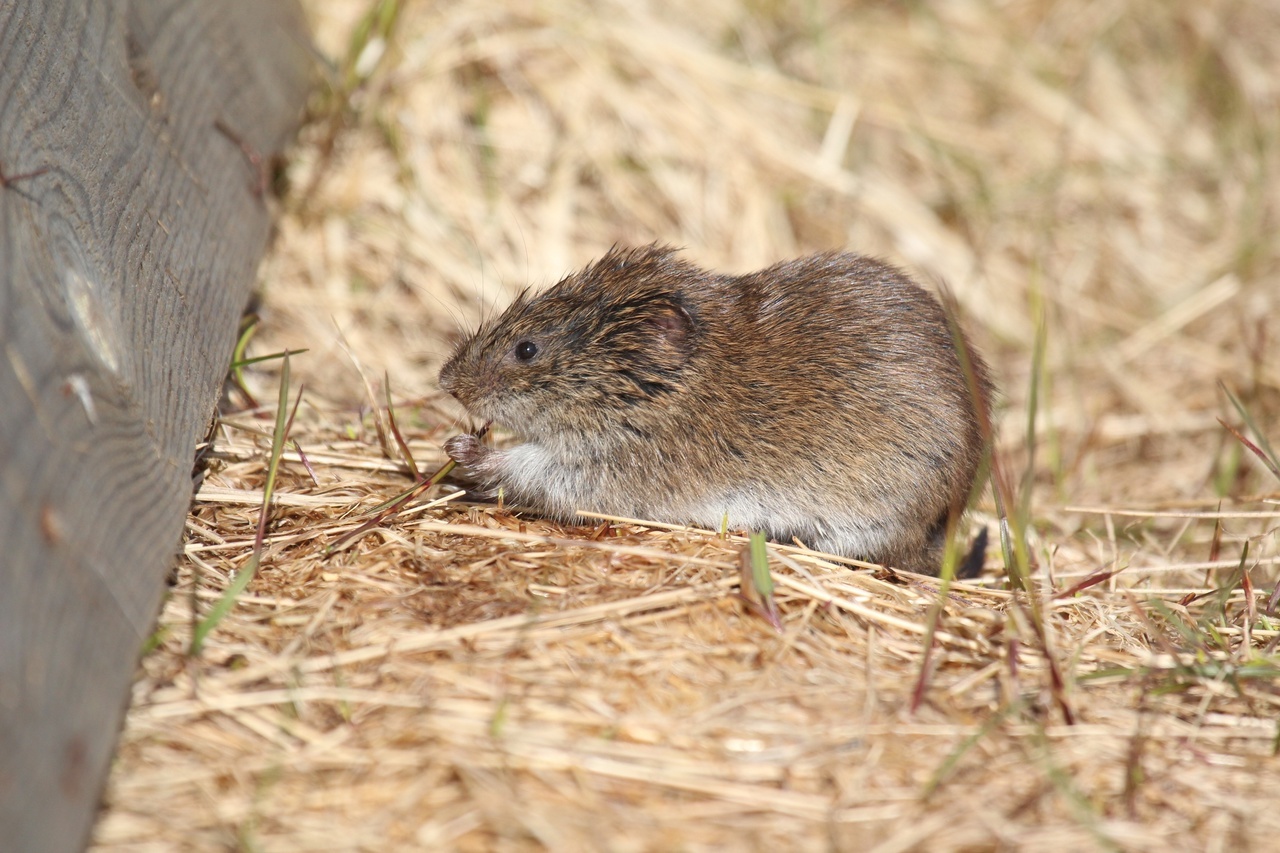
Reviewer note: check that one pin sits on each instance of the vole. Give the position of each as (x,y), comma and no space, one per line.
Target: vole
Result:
(820,399)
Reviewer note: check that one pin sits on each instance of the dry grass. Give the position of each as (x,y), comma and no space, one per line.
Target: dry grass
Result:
(467,679)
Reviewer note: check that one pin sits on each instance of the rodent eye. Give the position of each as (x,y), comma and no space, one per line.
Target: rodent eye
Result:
(526,350)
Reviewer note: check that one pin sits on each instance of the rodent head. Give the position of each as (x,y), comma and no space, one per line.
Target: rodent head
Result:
(592,354)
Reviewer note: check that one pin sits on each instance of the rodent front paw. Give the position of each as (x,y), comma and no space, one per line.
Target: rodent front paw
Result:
(467,450)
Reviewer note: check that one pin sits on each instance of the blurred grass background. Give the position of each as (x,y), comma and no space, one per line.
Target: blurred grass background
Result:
(1110,168)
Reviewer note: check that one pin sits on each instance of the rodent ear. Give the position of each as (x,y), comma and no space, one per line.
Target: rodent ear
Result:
(673,326)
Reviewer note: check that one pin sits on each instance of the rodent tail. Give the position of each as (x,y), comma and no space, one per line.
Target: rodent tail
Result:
(973,562)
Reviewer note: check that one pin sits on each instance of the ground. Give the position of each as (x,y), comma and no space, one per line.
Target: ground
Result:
(1095,182)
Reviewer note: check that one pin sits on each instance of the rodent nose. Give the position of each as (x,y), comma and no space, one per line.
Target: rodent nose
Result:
(446,378)
(450,383)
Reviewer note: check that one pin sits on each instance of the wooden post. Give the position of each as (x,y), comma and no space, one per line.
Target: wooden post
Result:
(132,220)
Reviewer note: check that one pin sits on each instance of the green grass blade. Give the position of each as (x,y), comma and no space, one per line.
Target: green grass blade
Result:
(224,604)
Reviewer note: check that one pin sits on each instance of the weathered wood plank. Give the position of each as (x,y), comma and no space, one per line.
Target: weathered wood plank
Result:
(124,265)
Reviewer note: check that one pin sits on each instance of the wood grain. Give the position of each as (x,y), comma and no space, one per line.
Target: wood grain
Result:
(127,253)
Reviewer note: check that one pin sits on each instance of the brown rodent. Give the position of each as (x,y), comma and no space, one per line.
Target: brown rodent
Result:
(820,399)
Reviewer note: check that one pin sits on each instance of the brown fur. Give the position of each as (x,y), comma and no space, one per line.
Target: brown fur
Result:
(820,399)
